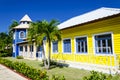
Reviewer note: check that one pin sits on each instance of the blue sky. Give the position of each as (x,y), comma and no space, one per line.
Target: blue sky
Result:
(48,9)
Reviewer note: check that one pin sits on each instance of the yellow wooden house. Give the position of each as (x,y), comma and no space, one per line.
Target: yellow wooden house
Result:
(90,41)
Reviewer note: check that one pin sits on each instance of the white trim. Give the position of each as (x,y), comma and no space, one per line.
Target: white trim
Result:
(15,42)
(27,47)
(13,45)
(44,45)
(63,46)
(14,36)
(75,44)
(94,43)
(90,66)
(24,35)
(52,49)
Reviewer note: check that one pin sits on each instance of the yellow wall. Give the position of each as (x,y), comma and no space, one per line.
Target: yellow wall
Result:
(109,25)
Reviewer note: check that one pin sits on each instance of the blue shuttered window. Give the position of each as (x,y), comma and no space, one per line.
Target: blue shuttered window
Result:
(67,46)
(103,44)
(81,45)
(55,46)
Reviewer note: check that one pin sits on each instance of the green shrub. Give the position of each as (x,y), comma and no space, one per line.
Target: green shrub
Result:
(116,77)
(21,67)
(19,57)
(30,72)
(58,77)
(97,76)
(4,54)
(52,62)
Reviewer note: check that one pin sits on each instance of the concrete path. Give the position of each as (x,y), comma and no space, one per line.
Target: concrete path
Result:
(7,74)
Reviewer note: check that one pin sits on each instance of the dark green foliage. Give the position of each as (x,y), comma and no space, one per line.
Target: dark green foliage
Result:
(5,46)
(116,77)
(13,24)
(6,41)
(30,72)
(5,54)
(96,76)
(100,76)
(19,57)
(52,62)
(58,77)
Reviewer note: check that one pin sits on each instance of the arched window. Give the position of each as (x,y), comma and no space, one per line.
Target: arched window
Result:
(22,35)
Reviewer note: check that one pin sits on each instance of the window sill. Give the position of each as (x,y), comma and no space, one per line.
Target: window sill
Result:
(66,53)
(54,52)
(81,53)
(100,54)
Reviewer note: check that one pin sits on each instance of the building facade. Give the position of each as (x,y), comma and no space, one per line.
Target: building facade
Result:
(91,40)
(21,47)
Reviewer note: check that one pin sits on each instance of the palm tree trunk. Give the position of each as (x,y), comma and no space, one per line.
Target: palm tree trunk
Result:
(44,57)
(49,54)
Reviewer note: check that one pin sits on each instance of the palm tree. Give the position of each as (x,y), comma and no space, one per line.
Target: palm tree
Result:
(41,29)
(36,34)
(52,34)
(14,24)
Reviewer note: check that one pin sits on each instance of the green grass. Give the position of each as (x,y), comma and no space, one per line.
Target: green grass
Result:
(69,73)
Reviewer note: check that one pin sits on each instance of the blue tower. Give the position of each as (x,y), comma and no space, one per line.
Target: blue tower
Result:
(20,33)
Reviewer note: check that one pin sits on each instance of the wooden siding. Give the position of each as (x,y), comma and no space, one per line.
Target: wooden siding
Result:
(109,25)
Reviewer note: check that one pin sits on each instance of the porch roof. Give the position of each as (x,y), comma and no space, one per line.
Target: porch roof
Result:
(22,26)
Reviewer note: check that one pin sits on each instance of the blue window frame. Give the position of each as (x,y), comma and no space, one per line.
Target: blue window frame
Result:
(21,34)
(55,46)
(40,48)
(67,46)
(21,48)
(40,51)
(81,45)
(103,44)
(31,48)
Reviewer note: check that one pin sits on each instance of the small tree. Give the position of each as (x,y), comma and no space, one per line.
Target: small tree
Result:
(5,43)
(36,35)
(41,29)
(51,33)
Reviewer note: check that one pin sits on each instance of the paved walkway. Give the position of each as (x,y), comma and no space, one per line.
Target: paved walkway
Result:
(7,74)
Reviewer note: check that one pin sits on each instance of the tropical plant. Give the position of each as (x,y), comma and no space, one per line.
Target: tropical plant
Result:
(19,57)
(98,76)
(36,35)
(51,33)
(44,29)
(14,24)
(5,41)
(28,71)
